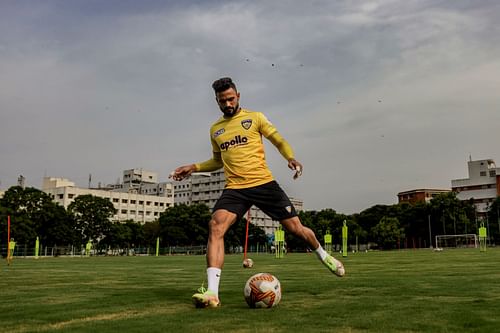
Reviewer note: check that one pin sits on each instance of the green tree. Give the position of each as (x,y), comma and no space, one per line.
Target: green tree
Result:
(136,234)
(414,218)
(118,236)
(387,232)
(151,232)
(34,213)
(58,229)
(450,215)
(184,225)
(91,216)
(370,217)
(494,220)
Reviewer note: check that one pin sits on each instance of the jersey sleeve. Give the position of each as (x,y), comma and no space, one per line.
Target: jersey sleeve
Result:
(271,133)
(265,126)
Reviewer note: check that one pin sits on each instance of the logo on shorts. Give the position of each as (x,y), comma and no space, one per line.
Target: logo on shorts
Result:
(218,132)
(247,123)
(288,209)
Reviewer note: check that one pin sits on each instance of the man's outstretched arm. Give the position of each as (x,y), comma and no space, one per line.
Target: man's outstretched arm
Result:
(287,152)
(184,171)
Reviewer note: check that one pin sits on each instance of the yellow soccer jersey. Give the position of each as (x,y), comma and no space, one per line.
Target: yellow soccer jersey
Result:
(239,141)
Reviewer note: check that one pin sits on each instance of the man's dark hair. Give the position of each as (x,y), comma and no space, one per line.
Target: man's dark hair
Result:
(223,84)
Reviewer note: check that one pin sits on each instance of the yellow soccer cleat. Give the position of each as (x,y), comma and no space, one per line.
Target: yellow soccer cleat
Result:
(207,299)
(334,265)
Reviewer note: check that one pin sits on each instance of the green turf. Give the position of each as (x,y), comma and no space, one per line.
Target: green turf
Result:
(397,291)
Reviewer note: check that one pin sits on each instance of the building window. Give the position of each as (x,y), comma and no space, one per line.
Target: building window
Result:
(132,212)
(124,211)
(482,174)
(61,196)
(141,202)
(493,173)
(115,200)
(70,196)
(124,201)
(148,203)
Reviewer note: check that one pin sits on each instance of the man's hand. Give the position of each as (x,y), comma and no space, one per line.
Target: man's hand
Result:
(182,172)
(295,165)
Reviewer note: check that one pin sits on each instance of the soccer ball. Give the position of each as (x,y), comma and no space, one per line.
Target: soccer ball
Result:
(248,263)
(262,290)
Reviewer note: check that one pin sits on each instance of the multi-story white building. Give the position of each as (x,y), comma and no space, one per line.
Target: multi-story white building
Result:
(483,184)
(141,182)
(207,187)
(202,188)
(139,176)
(142,203)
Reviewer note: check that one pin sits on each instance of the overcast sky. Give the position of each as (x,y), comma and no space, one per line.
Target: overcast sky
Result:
(375,97)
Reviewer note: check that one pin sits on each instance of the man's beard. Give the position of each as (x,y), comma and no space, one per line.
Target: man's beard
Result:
(230,111)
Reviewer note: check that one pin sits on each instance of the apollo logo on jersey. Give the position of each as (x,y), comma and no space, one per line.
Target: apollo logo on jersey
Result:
(237,141)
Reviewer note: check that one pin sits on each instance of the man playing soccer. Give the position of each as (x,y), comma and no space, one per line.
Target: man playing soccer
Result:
(237,146)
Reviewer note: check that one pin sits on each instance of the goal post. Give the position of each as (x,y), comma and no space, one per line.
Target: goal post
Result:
(462,240)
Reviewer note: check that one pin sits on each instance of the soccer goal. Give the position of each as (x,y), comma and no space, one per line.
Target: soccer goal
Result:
(463,240)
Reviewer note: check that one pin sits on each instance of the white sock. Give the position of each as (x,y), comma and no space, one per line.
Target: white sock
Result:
(213,276)
(321,253)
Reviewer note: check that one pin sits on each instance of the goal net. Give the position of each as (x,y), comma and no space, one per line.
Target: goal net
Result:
(464,240)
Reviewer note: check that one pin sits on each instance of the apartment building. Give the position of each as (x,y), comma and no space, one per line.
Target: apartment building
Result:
(138,201)
(482,185)
(420,195)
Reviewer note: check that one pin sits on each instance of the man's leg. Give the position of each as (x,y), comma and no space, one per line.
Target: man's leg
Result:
(217,228)
(294,226)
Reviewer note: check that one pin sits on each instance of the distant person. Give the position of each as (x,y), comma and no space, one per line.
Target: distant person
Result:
(88,248)
(10,254)
(237,146)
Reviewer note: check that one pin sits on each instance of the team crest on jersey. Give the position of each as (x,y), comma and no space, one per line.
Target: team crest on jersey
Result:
(247,123)
(218,132)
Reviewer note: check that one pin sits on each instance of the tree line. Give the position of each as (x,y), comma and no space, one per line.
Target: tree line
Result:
(35,214)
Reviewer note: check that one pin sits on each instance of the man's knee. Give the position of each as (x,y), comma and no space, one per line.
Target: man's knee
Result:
(220,223)
(293,226)
(216,228)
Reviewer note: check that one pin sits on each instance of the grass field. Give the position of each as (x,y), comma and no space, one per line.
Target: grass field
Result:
(397,291)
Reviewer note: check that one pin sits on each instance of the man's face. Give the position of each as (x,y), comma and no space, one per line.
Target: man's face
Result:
(229,101)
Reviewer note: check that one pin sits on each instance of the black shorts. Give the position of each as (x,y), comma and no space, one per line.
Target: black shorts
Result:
(269,197)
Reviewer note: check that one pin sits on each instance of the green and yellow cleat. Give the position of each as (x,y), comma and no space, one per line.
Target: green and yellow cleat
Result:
(206,299)
(334,265)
